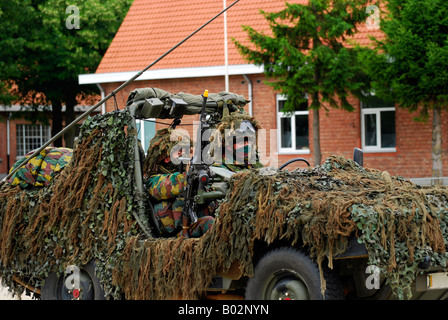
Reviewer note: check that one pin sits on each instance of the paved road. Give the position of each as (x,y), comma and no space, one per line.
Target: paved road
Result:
(5,295)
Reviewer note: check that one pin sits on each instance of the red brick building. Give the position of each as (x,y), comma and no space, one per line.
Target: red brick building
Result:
(389,136)
(18,136)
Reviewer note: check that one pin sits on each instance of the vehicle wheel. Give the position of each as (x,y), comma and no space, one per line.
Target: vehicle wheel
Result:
(55,287)
(290,274)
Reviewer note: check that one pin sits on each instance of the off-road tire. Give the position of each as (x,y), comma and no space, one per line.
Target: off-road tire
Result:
(286,266)
(54,288)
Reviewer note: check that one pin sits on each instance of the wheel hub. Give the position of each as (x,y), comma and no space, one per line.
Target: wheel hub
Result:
(289,288)
(84,292)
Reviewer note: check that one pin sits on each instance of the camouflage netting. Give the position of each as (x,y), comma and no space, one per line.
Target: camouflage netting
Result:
(399,222)
(84,214)
(228,124)
(87,213)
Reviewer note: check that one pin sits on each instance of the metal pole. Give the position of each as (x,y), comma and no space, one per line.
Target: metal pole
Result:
(226,52)
(249,89)
(103,93)
(8,141)
(113,93)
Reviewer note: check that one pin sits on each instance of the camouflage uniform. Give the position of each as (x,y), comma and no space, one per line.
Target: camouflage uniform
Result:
(166,189)
(40,170)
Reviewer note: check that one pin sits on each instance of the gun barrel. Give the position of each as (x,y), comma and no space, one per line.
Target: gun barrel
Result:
(204,103)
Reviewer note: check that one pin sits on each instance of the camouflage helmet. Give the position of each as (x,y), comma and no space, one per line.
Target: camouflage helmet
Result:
(231,128)
(160,148)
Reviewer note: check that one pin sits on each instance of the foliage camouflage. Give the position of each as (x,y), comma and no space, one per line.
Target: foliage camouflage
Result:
(319,208)
(87,213)
(228,124)
(84,214)
(222,136)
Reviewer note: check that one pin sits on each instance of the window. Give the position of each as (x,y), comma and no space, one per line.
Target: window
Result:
(378,125)
(31,137)
(293,128)
(146,131)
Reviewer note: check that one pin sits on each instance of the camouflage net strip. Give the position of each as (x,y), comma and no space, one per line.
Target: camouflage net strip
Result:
(84,214)
(399,222)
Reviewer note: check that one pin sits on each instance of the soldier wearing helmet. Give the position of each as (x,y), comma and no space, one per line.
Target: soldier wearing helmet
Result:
(165,181)
(233,143)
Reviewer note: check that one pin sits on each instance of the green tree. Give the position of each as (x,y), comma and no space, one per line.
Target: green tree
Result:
(410,65)
(308,53)
(15,22)
(55,41)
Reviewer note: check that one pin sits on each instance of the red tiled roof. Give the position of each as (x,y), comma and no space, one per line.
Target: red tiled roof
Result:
(152,27)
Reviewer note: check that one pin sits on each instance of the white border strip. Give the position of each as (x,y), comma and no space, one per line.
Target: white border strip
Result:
(94,78)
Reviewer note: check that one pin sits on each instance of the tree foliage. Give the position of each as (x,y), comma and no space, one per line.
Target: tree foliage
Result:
(48,46)
(410,64)
(308,53)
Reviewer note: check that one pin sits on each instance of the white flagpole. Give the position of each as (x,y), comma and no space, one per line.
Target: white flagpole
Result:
(226,53)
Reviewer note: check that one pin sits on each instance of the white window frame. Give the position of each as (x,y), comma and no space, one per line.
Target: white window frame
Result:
(280,115)
(26,135)
(142,132)
(377,113)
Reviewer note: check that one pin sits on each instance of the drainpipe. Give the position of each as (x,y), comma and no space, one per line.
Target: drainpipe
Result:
(249,88)
(8,142)
(103,94)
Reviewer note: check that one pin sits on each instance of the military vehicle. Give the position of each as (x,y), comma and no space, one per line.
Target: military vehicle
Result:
(82,224)
(335,231)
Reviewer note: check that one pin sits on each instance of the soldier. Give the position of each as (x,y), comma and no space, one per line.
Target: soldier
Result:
(235,138)
(165,183)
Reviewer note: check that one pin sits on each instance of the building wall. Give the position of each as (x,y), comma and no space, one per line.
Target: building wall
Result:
(340,130)
(414,146)
(4,167)
(3,145)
